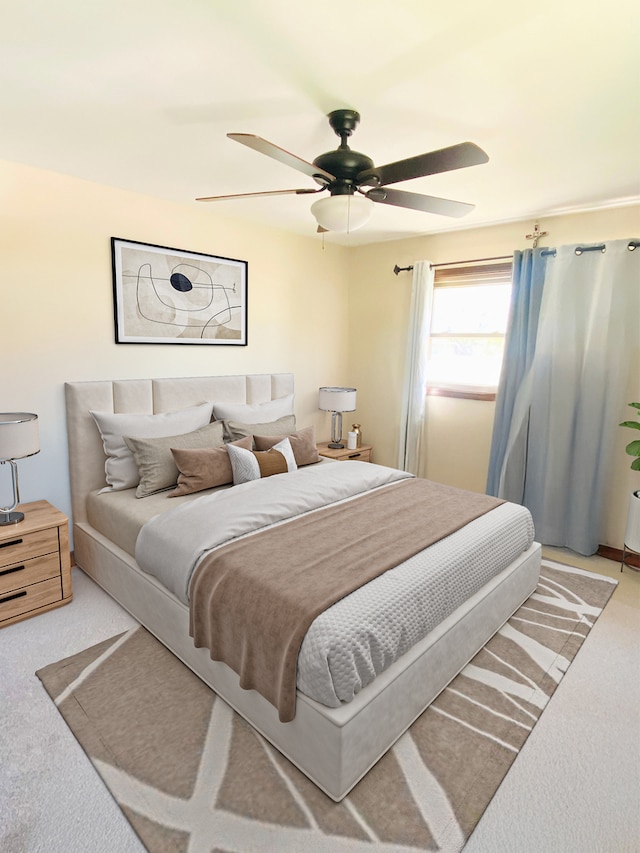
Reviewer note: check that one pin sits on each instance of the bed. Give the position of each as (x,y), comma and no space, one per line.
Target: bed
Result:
(337,732)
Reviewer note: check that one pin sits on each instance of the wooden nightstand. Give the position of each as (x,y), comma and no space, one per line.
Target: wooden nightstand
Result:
(35,563)
(362,454)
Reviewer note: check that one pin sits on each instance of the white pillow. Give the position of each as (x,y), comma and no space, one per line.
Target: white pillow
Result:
(120,468)
(254,413)
(246,467)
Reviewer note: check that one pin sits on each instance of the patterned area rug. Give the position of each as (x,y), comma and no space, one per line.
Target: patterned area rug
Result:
(191,775)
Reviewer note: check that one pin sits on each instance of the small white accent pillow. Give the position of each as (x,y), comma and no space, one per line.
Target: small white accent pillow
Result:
(254,413)
(120,468)
(248,465)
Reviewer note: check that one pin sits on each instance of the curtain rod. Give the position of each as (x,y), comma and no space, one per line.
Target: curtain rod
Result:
(601,247)
(398,269)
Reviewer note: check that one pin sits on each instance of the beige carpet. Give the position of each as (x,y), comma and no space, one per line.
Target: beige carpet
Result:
(190,774)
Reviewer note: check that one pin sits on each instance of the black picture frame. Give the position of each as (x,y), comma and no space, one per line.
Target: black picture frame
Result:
(163,295)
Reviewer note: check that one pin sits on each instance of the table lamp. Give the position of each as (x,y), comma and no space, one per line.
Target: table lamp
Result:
(337,401)
(18,438)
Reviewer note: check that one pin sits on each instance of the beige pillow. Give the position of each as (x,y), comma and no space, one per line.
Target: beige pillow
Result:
(154,459)
(303,444)
(120,467)
(205,468)
(282,426)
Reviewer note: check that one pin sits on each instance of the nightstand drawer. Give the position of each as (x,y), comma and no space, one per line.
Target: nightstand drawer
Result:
(21,601)
(343,454)
(28,572)
(357,456)
(18,548)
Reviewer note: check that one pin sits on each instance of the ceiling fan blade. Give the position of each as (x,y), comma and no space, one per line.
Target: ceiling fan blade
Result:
(263,147)
(255,195)
(443,160)
(415,201)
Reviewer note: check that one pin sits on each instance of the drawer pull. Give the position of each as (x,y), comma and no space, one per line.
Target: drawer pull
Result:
(10,543)
(354,455)
(11,597)
(12,570)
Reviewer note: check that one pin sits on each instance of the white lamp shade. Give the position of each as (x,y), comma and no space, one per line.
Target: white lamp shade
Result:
(342,213)
(19,435)
(337,399)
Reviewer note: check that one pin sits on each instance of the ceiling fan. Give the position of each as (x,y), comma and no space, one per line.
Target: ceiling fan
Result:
(355,184)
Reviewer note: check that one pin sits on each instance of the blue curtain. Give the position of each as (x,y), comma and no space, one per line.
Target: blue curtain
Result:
(587,342)
(520,343)
(574,338)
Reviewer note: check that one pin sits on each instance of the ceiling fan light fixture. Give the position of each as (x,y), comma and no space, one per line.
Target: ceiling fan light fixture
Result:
(342,213)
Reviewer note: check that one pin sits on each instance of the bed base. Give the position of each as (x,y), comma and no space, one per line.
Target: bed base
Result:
(334,747)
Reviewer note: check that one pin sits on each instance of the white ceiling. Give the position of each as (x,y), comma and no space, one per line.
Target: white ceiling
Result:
(140,95)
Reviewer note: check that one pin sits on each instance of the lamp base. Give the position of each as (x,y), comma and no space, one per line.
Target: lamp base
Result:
(11,517)
(335,445)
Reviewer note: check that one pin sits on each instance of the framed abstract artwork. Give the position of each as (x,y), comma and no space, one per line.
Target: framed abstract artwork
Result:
(169,296)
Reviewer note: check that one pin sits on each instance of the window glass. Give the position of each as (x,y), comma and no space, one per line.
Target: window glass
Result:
(468,323)
(469,309)
(464,361)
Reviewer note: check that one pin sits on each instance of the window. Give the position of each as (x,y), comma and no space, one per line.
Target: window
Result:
(468,323)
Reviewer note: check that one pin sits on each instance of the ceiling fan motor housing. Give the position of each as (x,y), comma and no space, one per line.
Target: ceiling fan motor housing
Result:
(344,163)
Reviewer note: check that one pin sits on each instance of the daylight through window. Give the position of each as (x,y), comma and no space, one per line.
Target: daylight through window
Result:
(468,324)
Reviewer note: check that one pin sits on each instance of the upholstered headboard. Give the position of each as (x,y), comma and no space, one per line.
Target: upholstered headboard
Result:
(147,396)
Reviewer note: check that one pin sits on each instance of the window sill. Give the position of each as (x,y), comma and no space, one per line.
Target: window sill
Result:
(461,393)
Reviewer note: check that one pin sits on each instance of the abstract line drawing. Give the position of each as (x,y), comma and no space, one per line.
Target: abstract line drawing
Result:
(170,296)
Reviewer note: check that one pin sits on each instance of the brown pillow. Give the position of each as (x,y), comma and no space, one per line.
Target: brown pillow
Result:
(303,444)
(204,469)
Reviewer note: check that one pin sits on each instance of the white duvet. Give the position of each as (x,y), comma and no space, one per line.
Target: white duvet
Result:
(361,635)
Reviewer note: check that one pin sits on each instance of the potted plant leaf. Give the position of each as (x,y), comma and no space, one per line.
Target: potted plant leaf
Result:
(632,533)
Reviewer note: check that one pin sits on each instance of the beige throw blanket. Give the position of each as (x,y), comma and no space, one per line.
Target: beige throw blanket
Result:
(253,600)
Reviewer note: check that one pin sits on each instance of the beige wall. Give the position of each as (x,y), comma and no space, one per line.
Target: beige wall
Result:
(57,308)
(457,432)
(332,315)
